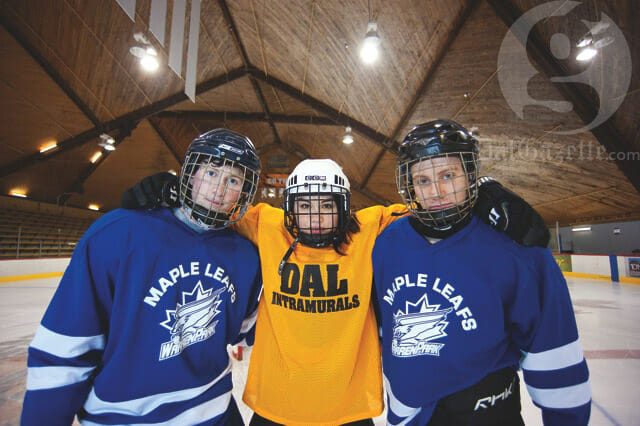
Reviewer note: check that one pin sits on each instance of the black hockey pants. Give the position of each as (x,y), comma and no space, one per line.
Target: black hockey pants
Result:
(493,401)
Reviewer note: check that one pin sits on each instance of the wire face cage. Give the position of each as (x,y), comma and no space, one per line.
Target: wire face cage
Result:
(316,213)
(440,191)
(215,190)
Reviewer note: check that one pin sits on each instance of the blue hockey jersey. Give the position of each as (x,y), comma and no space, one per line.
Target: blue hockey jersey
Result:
(138,328)
(454,311)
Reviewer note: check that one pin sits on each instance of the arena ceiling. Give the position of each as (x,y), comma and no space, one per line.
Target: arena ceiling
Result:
(288,75)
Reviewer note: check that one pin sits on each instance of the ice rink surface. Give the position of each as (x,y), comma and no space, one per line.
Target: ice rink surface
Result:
(608,316)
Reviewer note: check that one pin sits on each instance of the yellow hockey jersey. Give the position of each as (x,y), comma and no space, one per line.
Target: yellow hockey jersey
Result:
(316,357)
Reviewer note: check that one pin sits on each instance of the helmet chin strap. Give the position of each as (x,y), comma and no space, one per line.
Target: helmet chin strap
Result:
(200,215)
(309,241)
(287,255)
(434,232)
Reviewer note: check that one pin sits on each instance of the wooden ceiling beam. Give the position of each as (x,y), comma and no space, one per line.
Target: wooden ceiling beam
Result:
(294,148)
(247,116)
(123,121)
(49,69)
(290,146)
(591,220)
(371,195)
(338,117)
(77,186)
(233,29)
(390,143)
(606,133)
(165,139)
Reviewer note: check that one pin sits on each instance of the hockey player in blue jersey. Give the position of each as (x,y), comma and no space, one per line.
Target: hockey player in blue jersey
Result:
(138,328)
(462,307)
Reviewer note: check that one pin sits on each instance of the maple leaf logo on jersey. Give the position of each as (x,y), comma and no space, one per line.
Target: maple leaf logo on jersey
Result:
(414,328)
(192,320)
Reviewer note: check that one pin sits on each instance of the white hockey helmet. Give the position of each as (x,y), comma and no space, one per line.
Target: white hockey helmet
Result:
(316,179)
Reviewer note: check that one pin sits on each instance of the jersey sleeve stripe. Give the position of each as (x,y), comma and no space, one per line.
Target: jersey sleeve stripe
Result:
(142,406)
(569,376)
(207,410)
(397,407)
(39,378)
(567,397)
(249,322)
(553,359)
(64,346)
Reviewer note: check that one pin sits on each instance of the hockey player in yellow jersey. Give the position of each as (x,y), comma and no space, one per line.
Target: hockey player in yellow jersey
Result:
(316,358)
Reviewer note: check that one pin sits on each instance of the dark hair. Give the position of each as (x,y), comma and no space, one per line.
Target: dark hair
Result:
(343,240)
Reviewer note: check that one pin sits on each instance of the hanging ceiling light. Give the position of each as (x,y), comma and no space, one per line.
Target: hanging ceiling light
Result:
(586,54)
(595,39)
(347,139)
(107,142)
(370,49)
(149,61)
(145,52)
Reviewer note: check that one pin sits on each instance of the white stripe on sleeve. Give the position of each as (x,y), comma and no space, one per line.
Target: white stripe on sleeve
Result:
(397,407)
(55,377)
(567,397)
(64,346)
(195,415)
(249,322)
(146,404)
(553,359)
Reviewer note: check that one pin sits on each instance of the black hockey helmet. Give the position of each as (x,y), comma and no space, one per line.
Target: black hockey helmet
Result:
(220,147)
(438,138)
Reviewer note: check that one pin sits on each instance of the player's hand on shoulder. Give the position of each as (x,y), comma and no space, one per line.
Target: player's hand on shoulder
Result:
(152,192)
(509,213)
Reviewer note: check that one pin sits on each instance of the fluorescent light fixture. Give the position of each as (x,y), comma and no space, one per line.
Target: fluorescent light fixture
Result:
(94,207)
(581,228)
(347,139)
(48,147)
(18,193)
(586,54)
(370,50)
(96,157)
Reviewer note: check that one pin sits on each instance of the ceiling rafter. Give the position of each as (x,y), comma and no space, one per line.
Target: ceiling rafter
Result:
(233,29)
(78,185)
(606,133)
(165,139)
(334,114)
(247,116)
(49,69)
(390,143)
(337,116)
(118,123)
